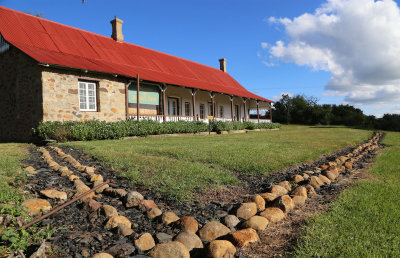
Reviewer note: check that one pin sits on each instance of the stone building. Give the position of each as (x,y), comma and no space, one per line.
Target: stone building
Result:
(53,72)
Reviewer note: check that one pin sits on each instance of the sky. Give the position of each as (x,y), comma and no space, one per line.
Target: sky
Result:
(340,51)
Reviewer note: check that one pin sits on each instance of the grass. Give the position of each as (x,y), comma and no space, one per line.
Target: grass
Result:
(11,173)
(12,178)
(365,221)
(179,166)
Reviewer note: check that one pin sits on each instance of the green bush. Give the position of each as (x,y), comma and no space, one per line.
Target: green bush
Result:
(238,125)
(249,125)
(101,130)
(218,126)
(267,126)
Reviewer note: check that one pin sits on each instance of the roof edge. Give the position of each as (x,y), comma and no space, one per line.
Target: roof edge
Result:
(130,77)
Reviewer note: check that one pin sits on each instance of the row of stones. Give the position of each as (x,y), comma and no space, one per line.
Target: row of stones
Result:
(184,242)
(223,239)
(278,200)
(309,181)
(134,199)
(37,206)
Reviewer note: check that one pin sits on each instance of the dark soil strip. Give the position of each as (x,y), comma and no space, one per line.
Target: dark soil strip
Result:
(82,232)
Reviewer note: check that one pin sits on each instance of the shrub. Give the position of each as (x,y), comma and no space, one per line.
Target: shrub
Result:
(238,125)
(267,126)
(218,126)
(101,130)
(249,125)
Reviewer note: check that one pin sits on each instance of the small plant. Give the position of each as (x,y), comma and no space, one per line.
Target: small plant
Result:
(62,133)
(12,210)
(17,240)
(22,239)
(293,184)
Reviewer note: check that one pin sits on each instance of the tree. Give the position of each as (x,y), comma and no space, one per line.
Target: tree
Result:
(389,122)
(37,15)
(301,109)
(281,111)
(347,115)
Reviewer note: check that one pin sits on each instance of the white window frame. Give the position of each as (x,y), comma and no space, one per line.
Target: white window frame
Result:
(86,96)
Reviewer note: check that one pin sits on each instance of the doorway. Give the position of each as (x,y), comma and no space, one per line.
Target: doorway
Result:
(173,107)
(237,113)
(202,111)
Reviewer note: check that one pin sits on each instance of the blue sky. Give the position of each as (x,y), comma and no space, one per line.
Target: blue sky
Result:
(206,30)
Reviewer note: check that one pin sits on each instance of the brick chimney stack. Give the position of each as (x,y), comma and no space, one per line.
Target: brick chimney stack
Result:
(117,29)
(222,64)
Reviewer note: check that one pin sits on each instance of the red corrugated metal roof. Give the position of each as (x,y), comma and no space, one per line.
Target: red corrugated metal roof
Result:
(53,43)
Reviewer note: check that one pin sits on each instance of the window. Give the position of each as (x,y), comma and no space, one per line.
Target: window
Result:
(221,111)
(187,109)
(210,113)
(202,111)
(173,107)
(87,96)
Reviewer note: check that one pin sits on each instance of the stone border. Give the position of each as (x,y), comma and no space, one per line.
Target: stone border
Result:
(214,239)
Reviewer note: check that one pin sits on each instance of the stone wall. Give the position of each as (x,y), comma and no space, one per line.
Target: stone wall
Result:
(61,101)
(20,95)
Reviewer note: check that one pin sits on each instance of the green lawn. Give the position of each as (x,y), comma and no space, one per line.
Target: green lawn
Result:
(11,155)
(365,221)
(178,166)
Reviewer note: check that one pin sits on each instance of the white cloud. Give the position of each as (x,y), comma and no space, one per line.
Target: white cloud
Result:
(357,41)
(264,45)
(270,63)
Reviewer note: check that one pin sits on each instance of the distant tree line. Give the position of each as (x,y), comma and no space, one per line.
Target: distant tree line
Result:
(301,109)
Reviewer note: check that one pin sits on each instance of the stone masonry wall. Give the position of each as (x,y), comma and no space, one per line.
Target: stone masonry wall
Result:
(61,101)
(20,95)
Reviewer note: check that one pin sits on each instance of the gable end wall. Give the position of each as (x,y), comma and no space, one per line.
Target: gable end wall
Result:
(20,95)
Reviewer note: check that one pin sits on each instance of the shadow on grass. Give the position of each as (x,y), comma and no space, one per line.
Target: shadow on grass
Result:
(341,126)
(327,127)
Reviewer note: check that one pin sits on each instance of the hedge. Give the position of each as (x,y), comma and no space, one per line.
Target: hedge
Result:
(101,130)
